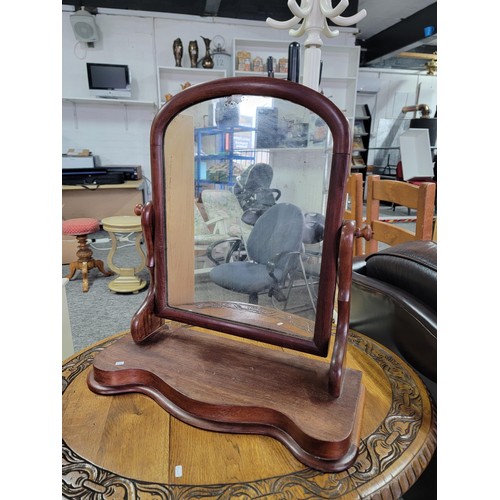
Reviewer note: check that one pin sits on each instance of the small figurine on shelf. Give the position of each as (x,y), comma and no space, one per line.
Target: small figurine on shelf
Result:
(178,51)
(207,62)
(185,85)
(258,64)
(193,53)
(283,65)
(243,60)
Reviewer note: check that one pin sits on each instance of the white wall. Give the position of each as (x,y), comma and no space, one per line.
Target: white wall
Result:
(120,135)
(117,134)
(396,90)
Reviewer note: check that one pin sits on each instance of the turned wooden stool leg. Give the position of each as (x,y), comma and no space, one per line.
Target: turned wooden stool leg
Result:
(85,276)
(100,265)
(85,255)
(73,267)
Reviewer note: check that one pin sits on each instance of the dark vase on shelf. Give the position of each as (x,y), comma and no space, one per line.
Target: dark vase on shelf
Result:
(178,51)
(207,62)
(193,53)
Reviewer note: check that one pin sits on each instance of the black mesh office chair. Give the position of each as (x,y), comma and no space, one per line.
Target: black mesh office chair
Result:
(254,192)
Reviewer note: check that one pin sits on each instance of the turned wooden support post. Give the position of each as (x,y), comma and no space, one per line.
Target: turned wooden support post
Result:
(364,232)
(84,252)
(337,367)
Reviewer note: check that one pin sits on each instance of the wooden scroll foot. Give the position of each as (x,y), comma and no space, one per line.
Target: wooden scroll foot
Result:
(221,384)
(99,264)
(73,268)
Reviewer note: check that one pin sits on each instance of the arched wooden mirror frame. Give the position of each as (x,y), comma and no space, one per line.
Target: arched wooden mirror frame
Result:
(313,405)
(156,307)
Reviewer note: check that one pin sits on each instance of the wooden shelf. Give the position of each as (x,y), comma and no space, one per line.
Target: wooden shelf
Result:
(259,73)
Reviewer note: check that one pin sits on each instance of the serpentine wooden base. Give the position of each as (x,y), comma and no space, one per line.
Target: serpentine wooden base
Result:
(223,384)
(127,446)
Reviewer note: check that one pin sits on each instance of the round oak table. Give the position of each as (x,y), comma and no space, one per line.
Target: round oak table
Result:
(127,446)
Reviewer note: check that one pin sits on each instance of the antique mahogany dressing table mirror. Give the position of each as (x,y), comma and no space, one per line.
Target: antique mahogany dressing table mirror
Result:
(202,351)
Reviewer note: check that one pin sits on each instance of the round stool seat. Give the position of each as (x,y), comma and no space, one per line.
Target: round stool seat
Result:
(120,223)
(83,225)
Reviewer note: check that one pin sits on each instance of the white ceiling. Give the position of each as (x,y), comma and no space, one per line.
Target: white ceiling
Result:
(382,14)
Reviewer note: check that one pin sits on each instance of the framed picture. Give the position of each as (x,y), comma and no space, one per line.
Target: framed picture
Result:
(244,60)
(258,64)
(359,127)
(357,161)
(283,65)
(357,143)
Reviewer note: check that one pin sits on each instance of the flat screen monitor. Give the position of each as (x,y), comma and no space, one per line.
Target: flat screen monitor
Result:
(109,80)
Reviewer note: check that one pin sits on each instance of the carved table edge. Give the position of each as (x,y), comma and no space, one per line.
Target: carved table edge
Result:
(82,478)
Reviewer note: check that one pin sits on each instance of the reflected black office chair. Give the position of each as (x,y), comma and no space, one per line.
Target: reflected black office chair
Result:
(273,247)
(254,192)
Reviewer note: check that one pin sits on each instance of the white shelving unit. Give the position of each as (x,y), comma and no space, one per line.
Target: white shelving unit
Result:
(339,75)
(171,79)
(97,100)
(115,103)
(259,48)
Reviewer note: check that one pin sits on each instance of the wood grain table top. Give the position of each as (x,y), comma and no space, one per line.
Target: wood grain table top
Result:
(127,446)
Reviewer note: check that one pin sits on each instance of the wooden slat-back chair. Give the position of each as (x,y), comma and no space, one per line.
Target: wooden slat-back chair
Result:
(421,198)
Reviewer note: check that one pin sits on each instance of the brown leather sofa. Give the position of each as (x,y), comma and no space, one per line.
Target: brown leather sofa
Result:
(394,301)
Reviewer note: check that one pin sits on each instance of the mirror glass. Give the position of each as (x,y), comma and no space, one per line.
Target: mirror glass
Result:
(245,243)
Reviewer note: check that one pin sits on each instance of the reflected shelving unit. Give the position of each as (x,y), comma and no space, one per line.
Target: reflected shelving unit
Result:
(361,139)
(217,149)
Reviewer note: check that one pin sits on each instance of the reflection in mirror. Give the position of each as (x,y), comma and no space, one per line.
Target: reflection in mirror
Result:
(250,235)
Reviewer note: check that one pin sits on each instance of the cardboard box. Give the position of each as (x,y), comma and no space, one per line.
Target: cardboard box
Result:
(77,161)
(69,248)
